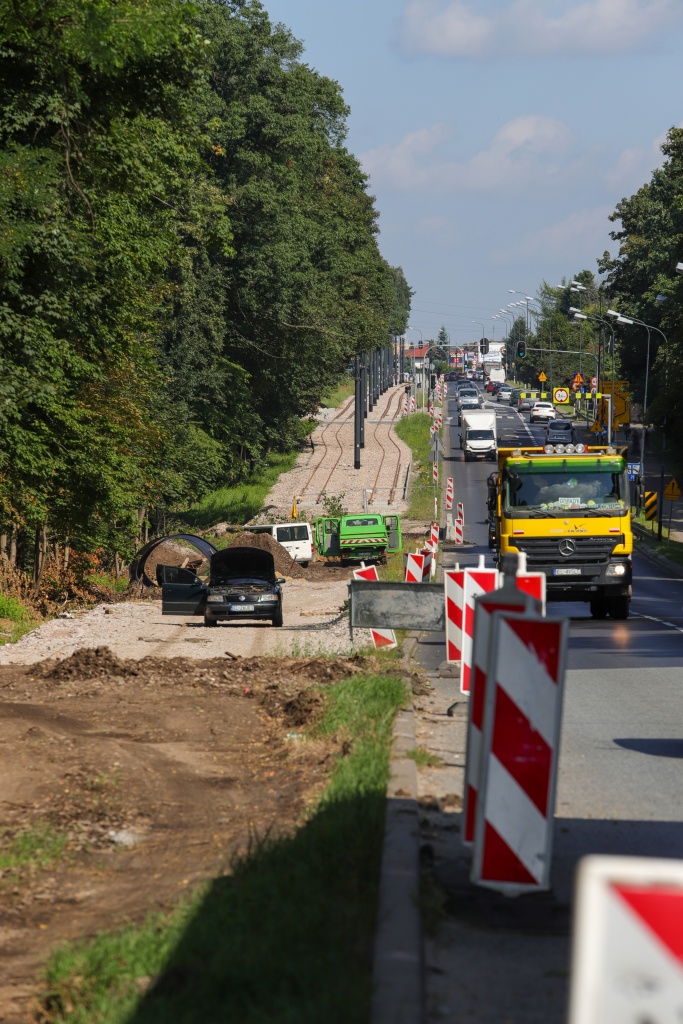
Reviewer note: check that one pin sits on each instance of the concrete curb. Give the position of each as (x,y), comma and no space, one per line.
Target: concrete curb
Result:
(654,556)
(398,987)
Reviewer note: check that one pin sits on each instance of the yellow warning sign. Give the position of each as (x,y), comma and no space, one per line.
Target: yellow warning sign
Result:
(596,428)
(542,376)
(673,491)
(578,379)
(650,505)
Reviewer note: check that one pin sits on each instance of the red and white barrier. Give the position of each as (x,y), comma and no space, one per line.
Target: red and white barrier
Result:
(458,529)
(477,582)
(405,406)
(509,599)
(435,472)
(439,419)
(417,567)
(522,717)
(454,585)
(431,409)
(381,638)
(449,493)
(461,512)
(412,403)
(434,536)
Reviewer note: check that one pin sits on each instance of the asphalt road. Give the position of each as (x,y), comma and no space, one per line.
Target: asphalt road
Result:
(621,759)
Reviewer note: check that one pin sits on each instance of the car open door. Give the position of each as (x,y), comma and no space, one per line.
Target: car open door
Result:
(393,525)
(331,537)
(182,592)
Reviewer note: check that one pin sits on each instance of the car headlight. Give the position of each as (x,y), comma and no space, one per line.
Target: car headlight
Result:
(215,599)
(616,569)
(264,598)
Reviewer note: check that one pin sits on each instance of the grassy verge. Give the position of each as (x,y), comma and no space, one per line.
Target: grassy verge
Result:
(414,430)
(673,549)
(15,620)
(241,502)
(287,937)
(336,396)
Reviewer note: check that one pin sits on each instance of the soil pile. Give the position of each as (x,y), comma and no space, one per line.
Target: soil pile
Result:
(285,564)
(89,663)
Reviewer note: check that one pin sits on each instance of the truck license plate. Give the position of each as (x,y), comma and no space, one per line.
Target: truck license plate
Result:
(241,607)
(567,572)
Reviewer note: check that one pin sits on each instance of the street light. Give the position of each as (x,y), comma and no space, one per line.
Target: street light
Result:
(629,320)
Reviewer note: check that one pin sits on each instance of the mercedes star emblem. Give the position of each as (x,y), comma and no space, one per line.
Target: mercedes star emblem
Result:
(567,547)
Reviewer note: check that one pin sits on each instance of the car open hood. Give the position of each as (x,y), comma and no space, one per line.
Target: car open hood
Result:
(243,563)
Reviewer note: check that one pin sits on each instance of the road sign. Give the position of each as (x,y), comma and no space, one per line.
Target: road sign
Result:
(578,379)
(633,470)
(542,376)
(673,491)
(561,396)
(627,958)
(594,382)
(650,505)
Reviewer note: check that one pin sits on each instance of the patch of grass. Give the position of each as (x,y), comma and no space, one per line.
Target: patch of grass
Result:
(415,431)
(36,849)
(108,580)
(287,936)
(423,758)
(241,502)
(15,620)
(335,397)
(673,549)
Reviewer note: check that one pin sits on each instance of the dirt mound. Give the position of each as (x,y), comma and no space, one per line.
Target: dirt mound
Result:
(89,663)
(285,564)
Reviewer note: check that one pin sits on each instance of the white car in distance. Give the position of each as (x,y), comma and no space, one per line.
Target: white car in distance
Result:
(543,411)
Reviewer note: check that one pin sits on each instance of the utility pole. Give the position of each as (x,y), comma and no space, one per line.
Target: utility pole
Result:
(357,411)
(364,395)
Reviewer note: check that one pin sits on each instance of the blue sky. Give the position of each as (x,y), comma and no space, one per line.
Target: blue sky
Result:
(498,134)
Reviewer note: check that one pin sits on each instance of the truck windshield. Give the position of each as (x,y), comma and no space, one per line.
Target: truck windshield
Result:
(480,435)
(361,522)
(562,487)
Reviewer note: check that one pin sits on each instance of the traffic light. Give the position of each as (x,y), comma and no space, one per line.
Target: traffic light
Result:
(432,381)
(521,349)
(484,346)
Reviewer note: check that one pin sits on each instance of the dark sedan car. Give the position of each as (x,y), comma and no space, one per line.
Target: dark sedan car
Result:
(242,585)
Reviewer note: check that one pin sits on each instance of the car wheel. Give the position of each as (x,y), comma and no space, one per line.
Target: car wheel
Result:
(277,618)
(210,621)
(599,608)
(305,565)
(619,607)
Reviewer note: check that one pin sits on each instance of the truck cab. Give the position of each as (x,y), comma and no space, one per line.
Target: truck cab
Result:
(367,536)
(569,512)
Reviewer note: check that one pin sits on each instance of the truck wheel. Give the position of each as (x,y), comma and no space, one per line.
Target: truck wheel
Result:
(210,621)
(599,608)
(619,607)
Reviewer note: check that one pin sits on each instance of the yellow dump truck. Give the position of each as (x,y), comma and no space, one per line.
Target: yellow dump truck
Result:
(567,508)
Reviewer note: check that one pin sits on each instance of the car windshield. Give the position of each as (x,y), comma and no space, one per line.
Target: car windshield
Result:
(561,488)
(480,435)
(561,425)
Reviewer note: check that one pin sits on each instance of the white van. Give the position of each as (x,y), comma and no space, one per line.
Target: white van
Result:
(295,538)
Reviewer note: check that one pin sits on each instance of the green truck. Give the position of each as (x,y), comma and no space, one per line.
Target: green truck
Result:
(363,537)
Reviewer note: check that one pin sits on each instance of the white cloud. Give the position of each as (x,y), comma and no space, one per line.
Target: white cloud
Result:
(523,153)
(580,236)
(456,28)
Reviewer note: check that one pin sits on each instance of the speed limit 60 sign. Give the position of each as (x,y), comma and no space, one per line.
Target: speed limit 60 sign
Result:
(561,396)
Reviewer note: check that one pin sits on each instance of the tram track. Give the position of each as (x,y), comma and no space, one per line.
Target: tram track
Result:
(323,442)
(398,395)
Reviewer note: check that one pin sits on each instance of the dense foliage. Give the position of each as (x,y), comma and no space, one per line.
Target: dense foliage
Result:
(188,257)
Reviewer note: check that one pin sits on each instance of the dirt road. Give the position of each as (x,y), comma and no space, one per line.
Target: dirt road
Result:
(137,629)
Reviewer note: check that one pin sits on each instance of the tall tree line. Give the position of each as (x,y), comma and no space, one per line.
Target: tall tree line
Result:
(188,257)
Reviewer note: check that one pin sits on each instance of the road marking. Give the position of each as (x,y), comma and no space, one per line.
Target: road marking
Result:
(653,618)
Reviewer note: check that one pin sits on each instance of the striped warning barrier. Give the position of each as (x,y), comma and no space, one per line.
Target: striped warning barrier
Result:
(417,566)
(434,536)
(458,531)
(449,493)
(522,717)
(439,419)
(454,584)
(461,512)
(508,598)
(381,638)
(405,406)
(477,582)
(650,505)
(435,472)
(429,563)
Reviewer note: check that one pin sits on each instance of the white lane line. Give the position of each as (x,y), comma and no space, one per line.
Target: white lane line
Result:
(653,618)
